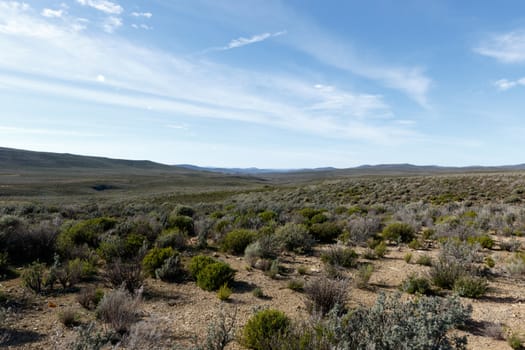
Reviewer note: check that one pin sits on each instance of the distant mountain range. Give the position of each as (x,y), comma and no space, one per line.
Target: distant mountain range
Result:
(22,160)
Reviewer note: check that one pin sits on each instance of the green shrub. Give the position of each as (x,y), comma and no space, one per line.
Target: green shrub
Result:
(484,241)
(155,258)
(489,261)
(318,219)
(263,327)
(84,232)
(236,241)
(470,287)
(267,215)
(33,277)
(399,232)
(265,247)
(183,223)
(294,238)
(416,285)
(326,232)
(214,275)
(224,292)
(380,250)
(408,257)
(132,244)
(309,213)
(198,263)
(185,211)
(338,256)
(515,341)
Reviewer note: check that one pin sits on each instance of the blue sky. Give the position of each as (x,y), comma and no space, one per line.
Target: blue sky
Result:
(266,83)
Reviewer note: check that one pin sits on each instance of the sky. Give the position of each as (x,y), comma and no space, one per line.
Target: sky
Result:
(266,83)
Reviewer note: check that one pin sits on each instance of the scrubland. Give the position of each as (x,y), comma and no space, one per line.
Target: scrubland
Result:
(384,262)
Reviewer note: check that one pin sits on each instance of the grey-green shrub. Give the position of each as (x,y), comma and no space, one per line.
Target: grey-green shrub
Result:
(295,238)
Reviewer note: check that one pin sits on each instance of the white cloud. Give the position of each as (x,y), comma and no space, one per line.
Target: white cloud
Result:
(42,131)
(68,63)
(141,26)
(142,14)
(506,48)
(505,84)
(49,13)
(14,6)
(103,5)
(101,78)
(111,24)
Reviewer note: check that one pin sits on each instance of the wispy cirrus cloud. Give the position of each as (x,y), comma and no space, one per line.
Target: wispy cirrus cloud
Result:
(506,48)
(72,65)
(242,41)
(239,42)
(103,5)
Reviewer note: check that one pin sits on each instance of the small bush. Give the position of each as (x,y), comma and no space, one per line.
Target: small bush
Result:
(258,293)
(214,275)
(119,309)
(155,258)
(33,277)
(84,232)
(183,223)
(470,287)
(171,270)
(398,232)
(444,273)
(425,260)
(224,292)
(198,263)
(264,248)
(380,250)
(236,241)
(302,270)
(296,285)
(326,232)
(484,241)
(69,318)
(295,238)
(125,274)
(363,275)
(174,239)
(338,256)
(408,258)
(263,327)
(416,285)
(324,294)
(90,297)
(514,341)
(489,261)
